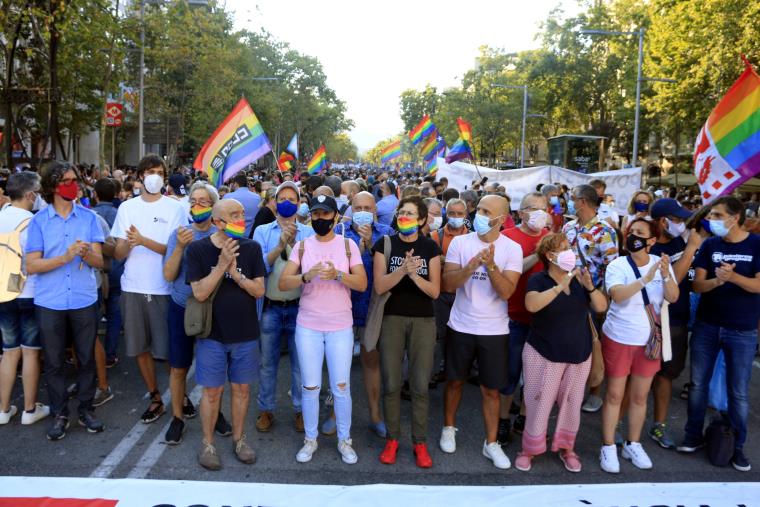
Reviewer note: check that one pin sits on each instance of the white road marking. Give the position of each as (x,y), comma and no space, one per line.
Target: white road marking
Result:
(156,448)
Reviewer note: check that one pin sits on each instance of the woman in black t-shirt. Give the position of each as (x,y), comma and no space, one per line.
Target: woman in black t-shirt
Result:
(413,275)
(557,355)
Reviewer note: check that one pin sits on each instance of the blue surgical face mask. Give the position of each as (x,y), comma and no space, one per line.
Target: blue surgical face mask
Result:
(482,224)
(571,207)
(640,207)
(303,209)
(456,222)
(718,227)
(286,209)
(554,200)
(362,218)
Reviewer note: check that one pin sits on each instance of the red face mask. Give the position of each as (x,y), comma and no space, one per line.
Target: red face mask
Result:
(68,191)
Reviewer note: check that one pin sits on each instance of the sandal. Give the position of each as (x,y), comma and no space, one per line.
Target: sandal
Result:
(155,410)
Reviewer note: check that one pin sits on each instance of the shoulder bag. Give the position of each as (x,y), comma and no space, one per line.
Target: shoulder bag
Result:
(377,306)
(654,346)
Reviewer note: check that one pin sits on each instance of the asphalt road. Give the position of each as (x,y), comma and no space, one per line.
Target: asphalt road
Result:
(130,449)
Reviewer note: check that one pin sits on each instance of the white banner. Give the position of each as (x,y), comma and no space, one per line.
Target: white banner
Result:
(73,492)
(621,183)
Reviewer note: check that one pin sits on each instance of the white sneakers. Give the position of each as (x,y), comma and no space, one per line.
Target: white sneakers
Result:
(637,455)
(633,452)
(448,441)
(307,451)
(40,412)
(5,417)
(495,453)
(347,453)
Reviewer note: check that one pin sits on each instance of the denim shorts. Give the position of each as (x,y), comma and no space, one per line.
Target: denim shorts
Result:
(180,345)
(216,362)
(18,325)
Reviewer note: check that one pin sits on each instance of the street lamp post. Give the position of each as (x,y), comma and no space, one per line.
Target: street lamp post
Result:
(524,116)
(140,114)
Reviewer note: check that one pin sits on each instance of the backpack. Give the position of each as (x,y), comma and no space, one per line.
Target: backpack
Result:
(12,278)
(719,442)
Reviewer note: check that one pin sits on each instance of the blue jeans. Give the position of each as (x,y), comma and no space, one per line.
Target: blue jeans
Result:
(113,326)
(739,349)
(18,324)
(278,323)
(518,333)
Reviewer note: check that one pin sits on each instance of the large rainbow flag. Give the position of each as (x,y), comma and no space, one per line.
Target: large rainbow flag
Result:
(727,150)
(393,150)
(465,129)
(423,129)
(318,162)
(238,141)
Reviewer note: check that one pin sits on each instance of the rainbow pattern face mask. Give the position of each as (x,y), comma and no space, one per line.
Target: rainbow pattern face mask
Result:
(235,230)
(407,226)
(200,214)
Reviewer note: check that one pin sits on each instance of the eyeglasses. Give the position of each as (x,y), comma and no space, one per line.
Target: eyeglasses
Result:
(532,208)
(200,203)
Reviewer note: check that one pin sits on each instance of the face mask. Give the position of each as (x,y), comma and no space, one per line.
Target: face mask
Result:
(571,207)
(286,209)
(640,207)
(344,198)
(675,229)
(436,223)
(635,243)
(303,209)
(200,214)
(407,226)
(135,192)
(68,191)
(235,230)
(153,183)
(362,218)
(718,227)
(554,200)
(566,260)
(85,201)
(322,226)
(536,220)
(706,225)
(456,223)
(482,224)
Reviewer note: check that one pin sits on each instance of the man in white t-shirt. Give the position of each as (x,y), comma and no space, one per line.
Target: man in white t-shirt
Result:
(142,229)
(483,267)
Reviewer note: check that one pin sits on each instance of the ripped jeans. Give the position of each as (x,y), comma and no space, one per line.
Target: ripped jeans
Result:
(313,346)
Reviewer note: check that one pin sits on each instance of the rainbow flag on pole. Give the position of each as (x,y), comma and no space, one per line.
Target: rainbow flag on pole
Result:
(432,166)
(318,161)
(237,142)
(429,147)
(289,156)
(465,130)
(391,151)
(727,149)
(423,129)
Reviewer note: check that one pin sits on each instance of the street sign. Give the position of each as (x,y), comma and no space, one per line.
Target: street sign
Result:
(113,114)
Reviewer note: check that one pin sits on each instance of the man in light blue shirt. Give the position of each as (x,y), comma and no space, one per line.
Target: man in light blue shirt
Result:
(63,248)
(386,206)
(278,319)
(250,200)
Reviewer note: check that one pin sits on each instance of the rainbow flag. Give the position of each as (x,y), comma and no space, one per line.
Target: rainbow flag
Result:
(391,151)
(429,147)
(423,129)
(237,142)
(289,156)
(727,150)
(465,130)
(432,166)
(460,150)
(318,161)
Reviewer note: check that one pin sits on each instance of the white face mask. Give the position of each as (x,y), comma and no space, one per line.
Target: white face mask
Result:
(537,220)
(153,183)
(436,223)
(675,229)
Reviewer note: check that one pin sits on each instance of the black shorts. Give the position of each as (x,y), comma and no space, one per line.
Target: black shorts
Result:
(490,351)
(679,343)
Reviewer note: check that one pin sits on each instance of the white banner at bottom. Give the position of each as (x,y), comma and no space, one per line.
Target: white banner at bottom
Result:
(73,492)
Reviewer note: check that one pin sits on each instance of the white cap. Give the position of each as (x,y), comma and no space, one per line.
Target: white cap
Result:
(288,184)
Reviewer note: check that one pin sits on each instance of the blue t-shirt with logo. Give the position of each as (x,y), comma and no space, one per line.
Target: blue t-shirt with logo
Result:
(729,305)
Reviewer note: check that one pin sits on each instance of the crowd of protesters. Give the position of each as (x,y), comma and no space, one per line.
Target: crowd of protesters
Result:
(555,300)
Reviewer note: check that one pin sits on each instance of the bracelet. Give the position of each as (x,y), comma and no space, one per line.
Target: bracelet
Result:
(590,291)
(243,278)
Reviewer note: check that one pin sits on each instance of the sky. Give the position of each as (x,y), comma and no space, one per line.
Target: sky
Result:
(372,51)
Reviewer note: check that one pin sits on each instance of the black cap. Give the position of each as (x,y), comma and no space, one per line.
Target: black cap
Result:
(667,207)
(323,203)
(177,182)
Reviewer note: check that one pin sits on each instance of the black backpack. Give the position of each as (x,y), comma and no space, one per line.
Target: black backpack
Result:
(719,441)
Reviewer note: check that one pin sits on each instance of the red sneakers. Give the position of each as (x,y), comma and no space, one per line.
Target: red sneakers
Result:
(422,455)
(388,456)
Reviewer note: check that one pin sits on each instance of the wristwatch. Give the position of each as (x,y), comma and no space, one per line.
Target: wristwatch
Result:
(339,276)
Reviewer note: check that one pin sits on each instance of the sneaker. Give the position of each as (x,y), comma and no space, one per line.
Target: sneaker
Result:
(523,462)
(740,461)
(307,451)
(592,404)
(379,429)
(608,459)
(208,458)
(422,456)
(92,424)
(58,430)
(40,412)
(330,426)
(448,441)
(347,453)
(659,433)
(634,452)
(174,433)
(244,452)
(102,396)
(188,409)
(519,425)
(570,460)
(112,361)
(265,421)
(388,456)
(690,445)
(222,427)
(298,422)
(155,410)
(495,453)
(5,417)
(505,428)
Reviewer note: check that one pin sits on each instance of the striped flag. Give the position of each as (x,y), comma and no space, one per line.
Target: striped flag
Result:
(423,129)
(391,151)
(289,156)
(318,162)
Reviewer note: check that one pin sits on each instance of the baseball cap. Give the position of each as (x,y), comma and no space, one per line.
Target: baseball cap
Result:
(177,182)
(288,184)
(668,207)
(323,203)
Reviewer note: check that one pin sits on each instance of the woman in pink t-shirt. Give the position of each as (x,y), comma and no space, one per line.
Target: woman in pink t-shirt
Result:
(330,267)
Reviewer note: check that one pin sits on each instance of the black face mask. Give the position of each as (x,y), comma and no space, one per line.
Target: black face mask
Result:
(635,243)
(322,226)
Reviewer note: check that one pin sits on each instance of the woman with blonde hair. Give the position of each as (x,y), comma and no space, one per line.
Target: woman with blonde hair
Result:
(638,207)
